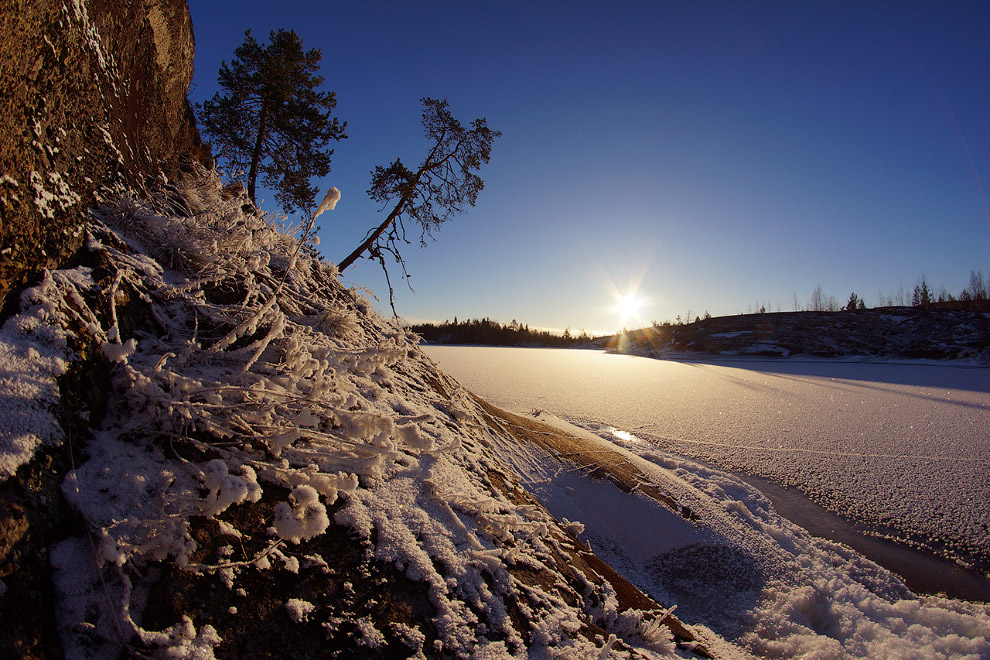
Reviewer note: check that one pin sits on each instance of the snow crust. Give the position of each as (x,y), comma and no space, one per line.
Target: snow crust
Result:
(741,568)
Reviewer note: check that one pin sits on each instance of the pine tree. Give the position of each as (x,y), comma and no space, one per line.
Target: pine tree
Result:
(271,119)
(922,296)
(443,185)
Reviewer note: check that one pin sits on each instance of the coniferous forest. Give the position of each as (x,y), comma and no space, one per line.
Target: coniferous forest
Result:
(491,333)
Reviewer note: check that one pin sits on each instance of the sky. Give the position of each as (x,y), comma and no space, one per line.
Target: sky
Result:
(690,156)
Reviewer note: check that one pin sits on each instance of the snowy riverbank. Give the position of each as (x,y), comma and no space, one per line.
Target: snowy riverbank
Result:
(213,450)
(733,563)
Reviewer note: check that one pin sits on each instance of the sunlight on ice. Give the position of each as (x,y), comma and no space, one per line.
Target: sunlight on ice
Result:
(624,435)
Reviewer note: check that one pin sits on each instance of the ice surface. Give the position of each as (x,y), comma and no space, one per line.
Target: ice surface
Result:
(905,447)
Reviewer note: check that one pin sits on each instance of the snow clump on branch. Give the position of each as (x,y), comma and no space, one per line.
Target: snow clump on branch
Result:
(241,370)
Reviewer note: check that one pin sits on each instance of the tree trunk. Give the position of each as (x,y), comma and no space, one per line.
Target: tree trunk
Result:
(352,257)
(256,154)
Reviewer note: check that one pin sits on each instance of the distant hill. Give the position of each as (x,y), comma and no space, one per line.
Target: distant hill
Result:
(906,332)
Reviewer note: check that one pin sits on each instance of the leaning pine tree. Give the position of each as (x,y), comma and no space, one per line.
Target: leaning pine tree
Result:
(271,119)
(444,185)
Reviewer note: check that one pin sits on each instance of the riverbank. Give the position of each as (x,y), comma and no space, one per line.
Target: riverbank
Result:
(940,333)
(705,540)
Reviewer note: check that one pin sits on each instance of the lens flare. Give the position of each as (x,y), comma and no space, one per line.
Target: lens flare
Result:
(630,308)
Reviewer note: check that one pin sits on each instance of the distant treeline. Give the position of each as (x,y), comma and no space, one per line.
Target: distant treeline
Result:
(491,333)
(974,298)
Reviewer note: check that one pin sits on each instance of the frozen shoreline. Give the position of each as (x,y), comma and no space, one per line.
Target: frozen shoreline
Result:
(923,572)
(898,446)
(705,540)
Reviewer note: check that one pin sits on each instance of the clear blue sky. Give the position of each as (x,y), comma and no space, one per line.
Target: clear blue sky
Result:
(716,154)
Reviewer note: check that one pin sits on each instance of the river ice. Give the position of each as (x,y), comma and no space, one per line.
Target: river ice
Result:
(902,447)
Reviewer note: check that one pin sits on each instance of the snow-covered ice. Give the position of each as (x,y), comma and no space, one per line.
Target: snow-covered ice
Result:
(739,567)
(903,447)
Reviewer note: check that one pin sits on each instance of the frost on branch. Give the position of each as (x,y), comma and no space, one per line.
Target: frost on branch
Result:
(329,202)
(256,404)
(227,489)
(303,520)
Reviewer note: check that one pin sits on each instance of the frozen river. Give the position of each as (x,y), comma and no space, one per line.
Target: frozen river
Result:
(904,448)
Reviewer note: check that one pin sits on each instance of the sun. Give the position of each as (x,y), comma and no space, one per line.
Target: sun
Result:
(630,307)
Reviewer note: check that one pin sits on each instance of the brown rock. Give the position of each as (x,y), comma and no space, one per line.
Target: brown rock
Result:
(90,93)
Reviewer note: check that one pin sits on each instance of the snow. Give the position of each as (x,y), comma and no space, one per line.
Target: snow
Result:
(61,194)
(741,568)
(738,567)
(329,202)
(252,377)
(227,489)
(299,609)
(33,354)
(118,352)
(304,519)
(903,447)
(288,385)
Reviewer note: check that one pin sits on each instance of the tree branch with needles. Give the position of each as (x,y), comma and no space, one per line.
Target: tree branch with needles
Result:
(444,185)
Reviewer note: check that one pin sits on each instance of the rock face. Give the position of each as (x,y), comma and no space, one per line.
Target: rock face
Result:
(92,93)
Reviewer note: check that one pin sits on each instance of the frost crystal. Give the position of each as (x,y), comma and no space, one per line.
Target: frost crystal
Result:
(299,610)
(329,202)
(305,519)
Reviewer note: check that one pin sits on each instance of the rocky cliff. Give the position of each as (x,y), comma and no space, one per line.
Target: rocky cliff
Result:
(93,94)
(93,97)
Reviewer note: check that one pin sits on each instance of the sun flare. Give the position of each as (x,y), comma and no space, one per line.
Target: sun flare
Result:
(630,307)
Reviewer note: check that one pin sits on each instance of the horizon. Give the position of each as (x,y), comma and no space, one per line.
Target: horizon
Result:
(704,156)
(679,320)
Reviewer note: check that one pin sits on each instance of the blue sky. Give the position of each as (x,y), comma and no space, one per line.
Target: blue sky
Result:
(711,155)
